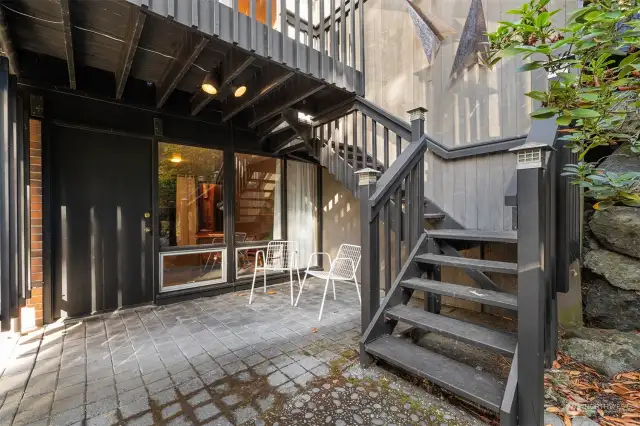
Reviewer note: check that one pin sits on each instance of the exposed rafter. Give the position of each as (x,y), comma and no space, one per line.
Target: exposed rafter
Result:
(189,52)
(7,44)
(303,130)
(128,53)
(268,83)
(266,110)
(68,41)
(266,128)
(233,65)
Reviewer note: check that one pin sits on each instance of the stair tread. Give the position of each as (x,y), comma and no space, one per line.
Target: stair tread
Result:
(477,386)
(486,297)
(434,216)
(465,262)
(476,335)
(475,235)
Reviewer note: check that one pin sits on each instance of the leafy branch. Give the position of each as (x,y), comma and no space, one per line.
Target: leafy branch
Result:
(595,90)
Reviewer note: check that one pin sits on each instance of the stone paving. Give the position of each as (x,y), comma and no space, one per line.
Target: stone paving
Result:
(212,361)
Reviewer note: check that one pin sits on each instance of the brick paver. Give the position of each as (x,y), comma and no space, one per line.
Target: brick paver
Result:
(211,360)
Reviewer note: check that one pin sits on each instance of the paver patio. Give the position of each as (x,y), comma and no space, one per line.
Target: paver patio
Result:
(207,361)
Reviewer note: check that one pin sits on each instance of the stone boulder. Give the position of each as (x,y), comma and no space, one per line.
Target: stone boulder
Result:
(607,351)
(606,306)
(621,271)
(618,229)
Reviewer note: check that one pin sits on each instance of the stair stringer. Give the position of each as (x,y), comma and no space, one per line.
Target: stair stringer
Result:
(396,295)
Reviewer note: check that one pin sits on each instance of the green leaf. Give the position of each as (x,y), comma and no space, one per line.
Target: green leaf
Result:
(593,15)
(602,205)
(629,60)
(542,19)
(591,97)
(537,95)
(530,66)
(584,113)
(564,120)
(546,112)
(567,78)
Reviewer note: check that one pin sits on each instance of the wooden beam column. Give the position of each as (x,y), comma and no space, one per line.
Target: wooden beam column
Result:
(128,53)
(189,52)
(65,14)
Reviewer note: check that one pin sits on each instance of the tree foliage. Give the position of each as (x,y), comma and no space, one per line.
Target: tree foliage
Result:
(595,93)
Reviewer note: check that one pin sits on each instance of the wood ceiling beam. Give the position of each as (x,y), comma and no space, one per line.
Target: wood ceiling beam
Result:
(281,139)
(266,128)
(233,65)
(7,44)
(129,52)
(302,129)
(188,54)
(265,111)
(65,13)
(268,84)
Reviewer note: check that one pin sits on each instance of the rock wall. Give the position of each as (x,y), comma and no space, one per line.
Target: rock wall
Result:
(611,268)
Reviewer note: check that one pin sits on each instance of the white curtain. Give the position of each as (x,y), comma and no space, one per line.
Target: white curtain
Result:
(302,209)
(277,203)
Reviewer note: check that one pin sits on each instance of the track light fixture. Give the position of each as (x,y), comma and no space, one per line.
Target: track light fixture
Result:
(239,90)
(210,84)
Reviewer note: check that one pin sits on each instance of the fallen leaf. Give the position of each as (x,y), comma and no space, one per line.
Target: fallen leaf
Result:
(314,330)
(567,420)
(553,410)
(556,364)
(272,292)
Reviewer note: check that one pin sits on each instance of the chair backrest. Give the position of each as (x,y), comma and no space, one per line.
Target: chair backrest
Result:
(345,268)
(281,254)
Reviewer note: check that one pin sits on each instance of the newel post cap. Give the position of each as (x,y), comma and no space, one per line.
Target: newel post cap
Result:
(417,113)
(530,154)
(367,176)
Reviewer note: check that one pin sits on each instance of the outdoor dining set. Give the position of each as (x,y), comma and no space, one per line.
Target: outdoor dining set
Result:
(282,256)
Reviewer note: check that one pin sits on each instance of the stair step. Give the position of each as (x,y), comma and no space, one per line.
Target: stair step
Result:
(486,297)
(464,262)
(475,235)
(434,216)
(476,335)
(480,387)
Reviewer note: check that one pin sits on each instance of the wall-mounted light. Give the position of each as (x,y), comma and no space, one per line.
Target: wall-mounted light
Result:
(176,157)
(210,83)
(239,90)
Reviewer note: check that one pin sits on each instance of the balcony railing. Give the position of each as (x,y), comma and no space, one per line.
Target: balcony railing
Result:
(321,38)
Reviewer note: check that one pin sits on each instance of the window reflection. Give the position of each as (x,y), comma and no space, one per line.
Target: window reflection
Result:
(190,195)
(258,198)
(192,268)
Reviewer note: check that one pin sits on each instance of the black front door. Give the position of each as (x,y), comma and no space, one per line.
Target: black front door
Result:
(101,221)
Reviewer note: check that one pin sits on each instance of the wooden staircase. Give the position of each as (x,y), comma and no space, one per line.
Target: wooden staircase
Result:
(422,274)
(355,143)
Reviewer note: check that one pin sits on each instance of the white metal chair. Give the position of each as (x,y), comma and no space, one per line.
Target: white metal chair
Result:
(281,256)
(343,268)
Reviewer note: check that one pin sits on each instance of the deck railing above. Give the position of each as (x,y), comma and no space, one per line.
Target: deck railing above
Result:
(322,38)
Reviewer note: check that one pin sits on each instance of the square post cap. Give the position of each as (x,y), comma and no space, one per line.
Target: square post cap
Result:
(530,154)
(367,176)
(417,113)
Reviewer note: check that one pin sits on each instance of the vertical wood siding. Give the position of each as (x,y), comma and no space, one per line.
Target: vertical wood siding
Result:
(479,106)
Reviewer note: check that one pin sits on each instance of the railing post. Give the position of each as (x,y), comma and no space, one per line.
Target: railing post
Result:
(369,241)
(531,283)
(417,116)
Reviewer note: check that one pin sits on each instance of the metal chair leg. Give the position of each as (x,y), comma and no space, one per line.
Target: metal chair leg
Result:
(324,296)
(333,282)
(291,284)
(255,271)
(301,287)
